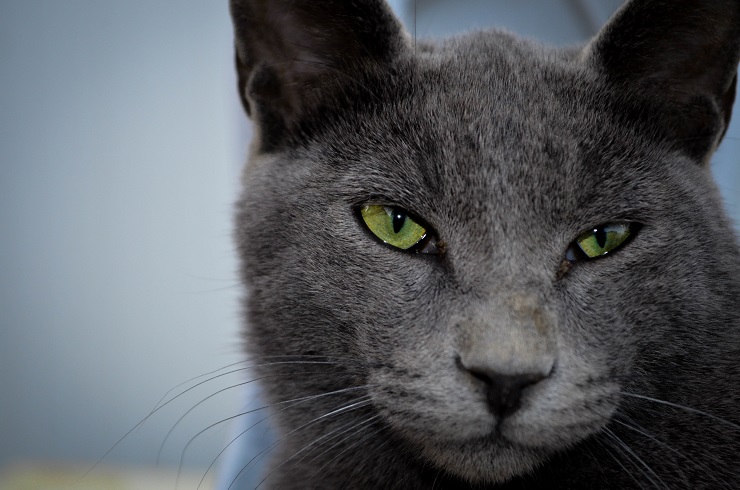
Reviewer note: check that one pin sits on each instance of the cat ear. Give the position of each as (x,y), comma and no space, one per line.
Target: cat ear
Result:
(297,57)
(678,60)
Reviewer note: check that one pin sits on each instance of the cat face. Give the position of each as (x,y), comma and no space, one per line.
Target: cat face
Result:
(496,341)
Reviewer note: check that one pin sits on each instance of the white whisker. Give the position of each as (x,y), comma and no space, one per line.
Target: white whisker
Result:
(358,402)
(682,407)
(630,453)
(633,426)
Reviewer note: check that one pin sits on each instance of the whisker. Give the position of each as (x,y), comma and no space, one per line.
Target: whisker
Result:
(159,405)
(617,460)
(342,452)
(236,285)
(317,456)
(436,477)
(274,445)
(640,430)
(238,436)
(232,372)
(588,449)
(351,425)
(193,379)
(378,448)
(648,471)
(684,408)
(179,420)
(333,435)
(364,399)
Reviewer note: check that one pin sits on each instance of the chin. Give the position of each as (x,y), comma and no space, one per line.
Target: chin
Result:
(485,461)
(516,447)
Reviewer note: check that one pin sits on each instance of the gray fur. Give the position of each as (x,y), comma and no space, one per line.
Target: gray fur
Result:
(508,150)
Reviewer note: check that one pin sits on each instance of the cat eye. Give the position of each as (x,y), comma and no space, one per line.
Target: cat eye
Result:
(393,226)
(600,240)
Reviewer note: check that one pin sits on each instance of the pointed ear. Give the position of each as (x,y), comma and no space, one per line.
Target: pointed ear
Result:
(680,59)
(294,57)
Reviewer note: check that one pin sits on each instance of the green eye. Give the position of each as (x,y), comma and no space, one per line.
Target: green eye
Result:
(394,227)
(603,239)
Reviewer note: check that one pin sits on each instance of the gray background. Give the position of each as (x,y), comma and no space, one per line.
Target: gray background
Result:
(121,140)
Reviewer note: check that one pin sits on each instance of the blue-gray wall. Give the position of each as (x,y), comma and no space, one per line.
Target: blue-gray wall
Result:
(121,140)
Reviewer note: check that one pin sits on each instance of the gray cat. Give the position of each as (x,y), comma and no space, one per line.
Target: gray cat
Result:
(483,263)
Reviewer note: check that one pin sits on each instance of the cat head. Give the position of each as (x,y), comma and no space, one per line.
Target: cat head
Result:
(498,239)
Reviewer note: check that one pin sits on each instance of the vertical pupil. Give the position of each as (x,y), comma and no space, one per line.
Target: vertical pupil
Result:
(399,218)
(600,234)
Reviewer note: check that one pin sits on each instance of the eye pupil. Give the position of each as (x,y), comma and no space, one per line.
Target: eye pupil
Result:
(603,239)
(393,226)
(399,218)
(600,235)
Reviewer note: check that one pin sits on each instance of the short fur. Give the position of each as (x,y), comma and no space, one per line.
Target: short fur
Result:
(507,150)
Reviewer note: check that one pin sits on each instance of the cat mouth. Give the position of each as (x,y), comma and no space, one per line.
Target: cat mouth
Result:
(507,436)
(507,451)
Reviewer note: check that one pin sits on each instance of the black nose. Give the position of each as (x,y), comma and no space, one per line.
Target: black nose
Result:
(505,390)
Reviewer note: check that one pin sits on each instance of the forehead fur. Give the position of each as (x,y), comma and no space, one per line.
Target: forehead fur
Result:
(438,137)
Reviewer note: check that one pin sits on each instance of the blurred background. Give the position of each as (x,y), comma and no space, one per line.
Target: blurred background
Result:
(121,143)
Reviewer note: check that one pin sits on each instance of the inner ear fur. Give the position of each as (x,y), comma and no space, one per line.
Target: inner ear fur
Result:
(680,59)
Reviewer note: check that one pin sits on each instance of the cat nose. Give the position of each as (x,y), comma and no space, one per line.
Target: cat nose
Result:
(505,390)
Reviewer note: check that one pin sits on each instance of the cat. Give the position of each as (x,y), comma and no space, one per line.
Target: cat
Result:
(485,263)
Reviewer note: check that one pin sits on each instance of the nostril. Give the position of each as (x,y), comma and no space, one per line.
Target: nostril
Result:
(481,375)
